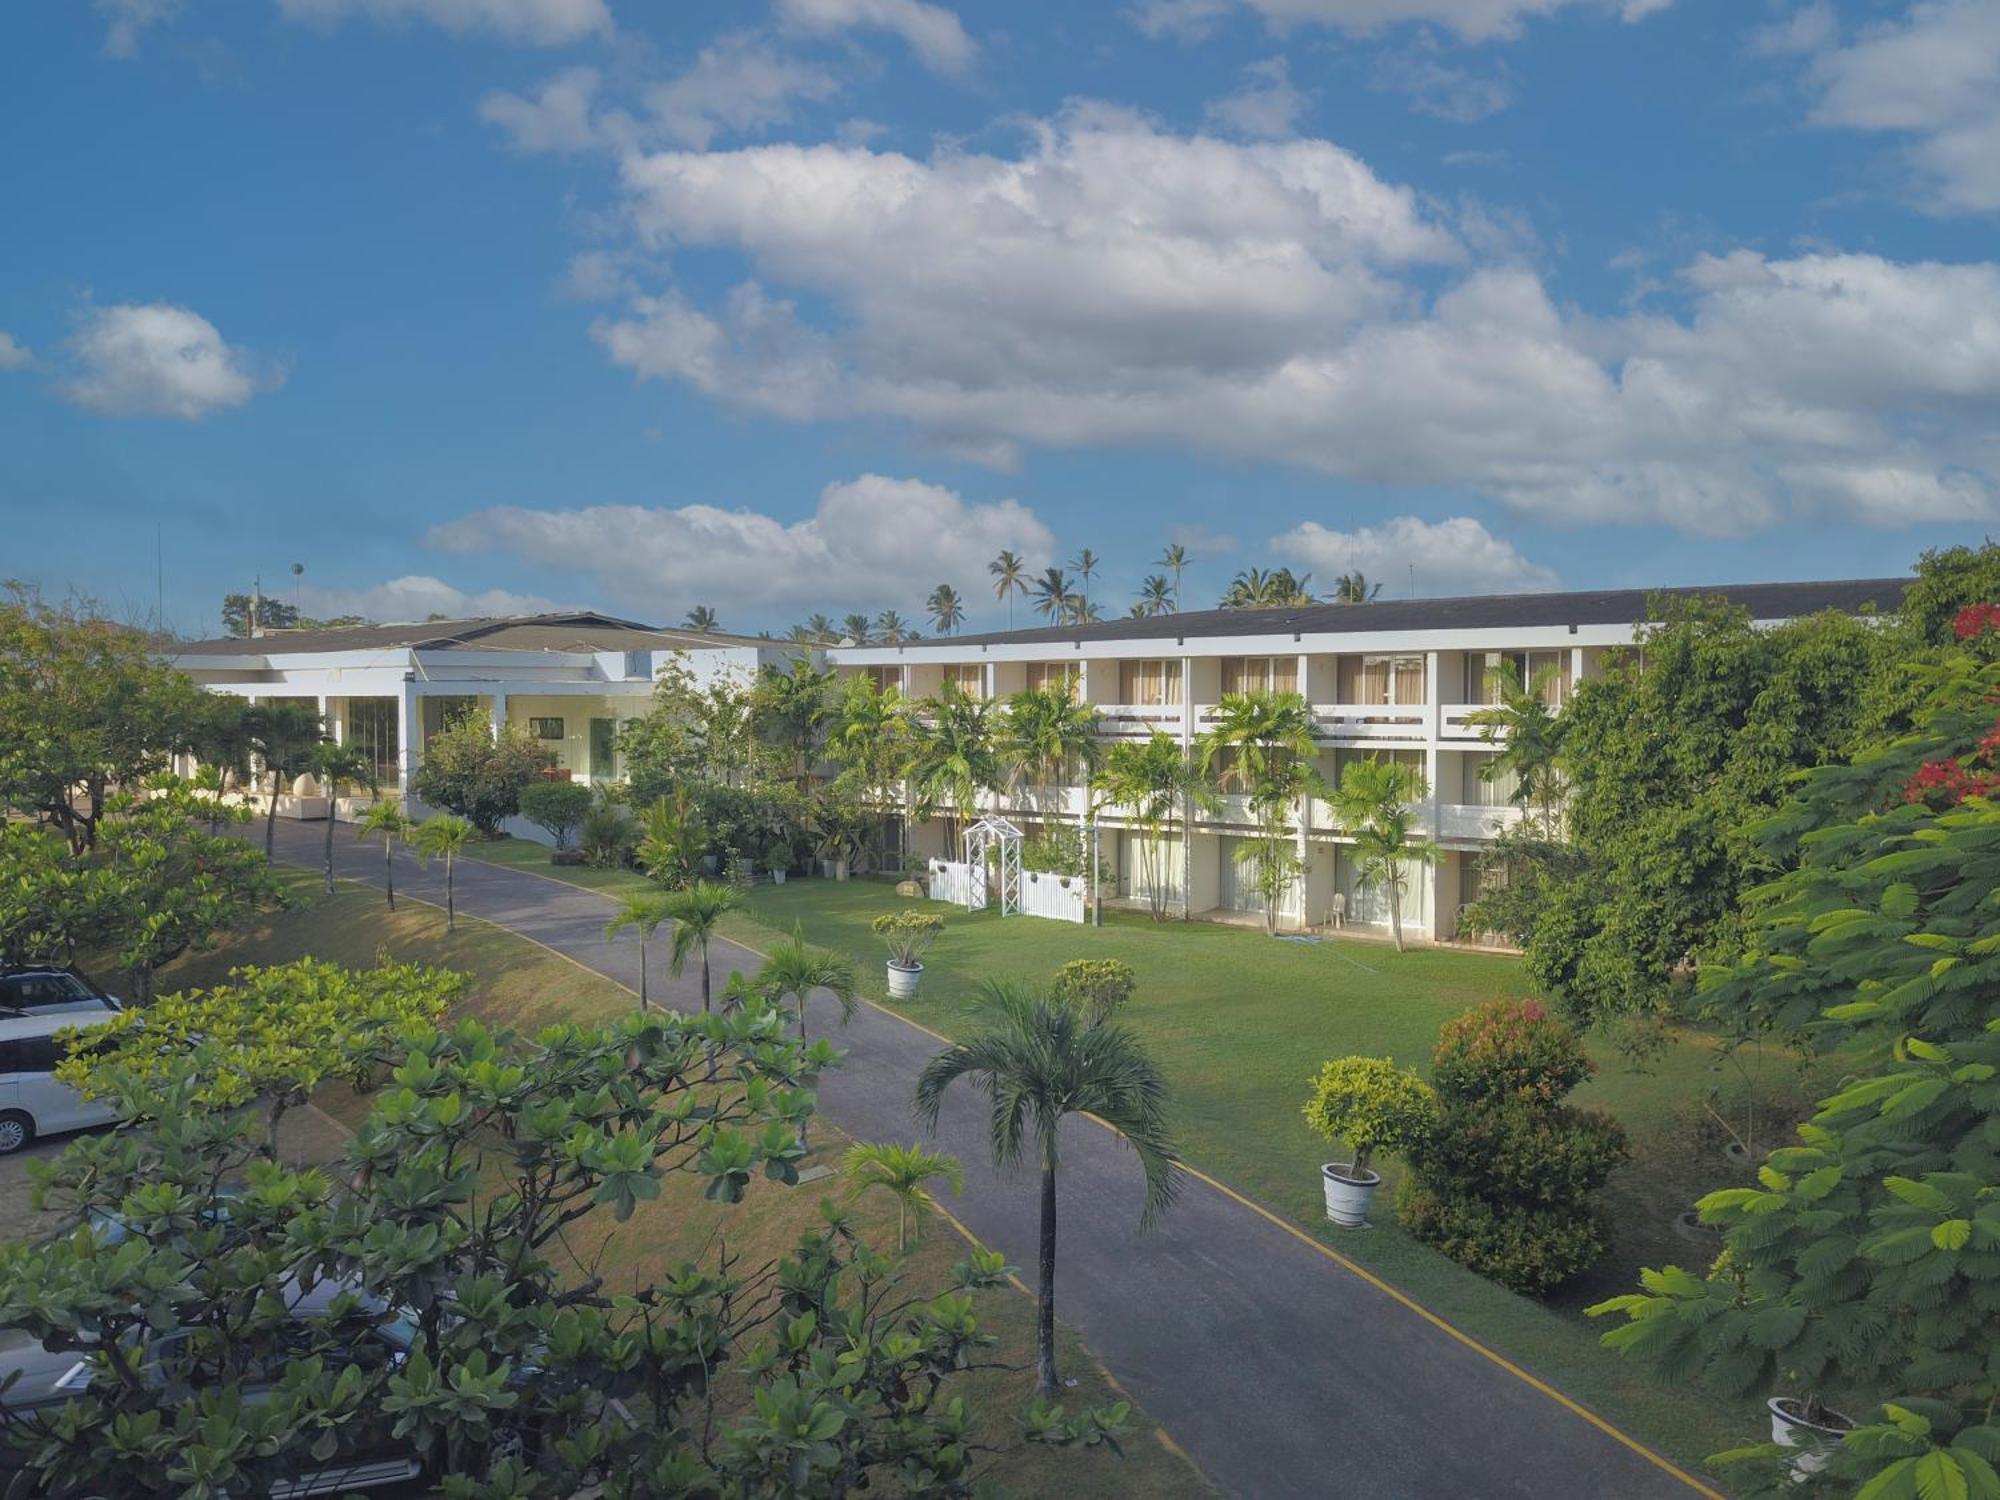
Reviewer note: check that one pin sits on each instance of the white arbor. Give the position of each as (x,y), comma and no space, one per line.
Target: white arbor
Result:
(995,833)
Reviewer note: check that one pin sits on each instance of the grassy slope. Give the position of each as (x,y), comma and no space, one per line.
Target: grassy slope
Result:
(517,983)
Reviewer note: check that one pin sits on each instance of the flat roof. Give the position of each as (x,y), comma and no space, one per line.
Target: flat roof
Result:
(577,630)
(1764,601)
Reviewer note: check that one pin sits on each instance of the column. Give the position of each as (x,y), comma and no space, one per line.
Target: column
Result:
(499,713)
(1187,803)
(409,736)
(1434,721)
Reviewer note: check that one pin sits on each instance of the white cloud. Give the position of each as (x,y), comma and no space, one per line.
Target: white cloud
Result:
(1808,29)
(14,355)
(159,360)
(418,596)
(1267,106)
(1454,556)
(870,541)
(1435,87)
(1934,77)
(1182,20)
(539,23)
(739,84)
(1474,20)
(556,117)
(130,21)
(932,32)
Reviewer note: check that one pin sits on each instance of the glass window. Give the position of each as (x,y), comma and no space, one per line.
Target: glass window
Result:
(1150,684)
(886,679)
(968,677)
(1260,674)
(369,726)
(1048,674)
(30,992)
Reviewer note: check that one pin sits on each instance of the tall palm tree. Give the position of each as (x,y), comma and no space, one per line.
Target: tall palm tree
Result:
(952,757)
(945,608)
(698,911)
(1046,735)
(1085,563)
(333,767)
(796,971)
(819,628)
(1529,735)
(642,911)
(891,630)
(283,735)
(1009,578)
(1156,597)
(1153,781)
(858,629)
(1253,732)
(870,737)
(388,822)
(1039,1061)
(901,1171)
(1174,559)
(1052,595)
(446,834)
(701,619)
(1257,588)
(1376,804)
(1354,588)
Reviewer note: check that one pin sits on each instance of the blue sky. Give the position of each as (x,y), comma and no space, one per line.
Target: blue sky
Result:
(480,304)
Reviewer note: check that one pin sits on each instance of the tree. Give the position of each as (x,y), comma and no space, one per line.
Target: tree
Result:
(1039,1061)
(284,736)
(643,911)
(671,839)
(388,822)
(818,630)
(788,710)
(1174,558)
(701,620)
(1529,734)
(1053,599)
(1085,563)
(1049,740)
(890,630)
(558,808)
(1097,987)
(1156,597)
(240,612)
(1262,745)
(52,902)
(444,834)
(870,737)
(334,766)
(1255,588)
(952,757)
(903,1172)
(858,629)
(945,609)
(697,914)
(1152,781)
(1376,804)
(1354,588)
(1009,579)
(84,710)
(471,770)
(796,971)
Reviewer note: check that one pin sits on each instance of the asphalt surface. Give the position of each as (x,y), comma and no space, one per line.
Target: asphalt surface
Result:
(1280,1372)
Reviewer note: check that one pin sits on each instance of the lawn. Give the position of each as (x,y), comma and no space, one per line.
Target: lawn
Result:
(516,983)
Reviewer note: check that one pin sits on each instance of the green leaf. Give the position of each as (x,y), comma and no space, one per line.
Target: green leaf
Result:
(1952,1234)
(1939,1477)
(1918,1194)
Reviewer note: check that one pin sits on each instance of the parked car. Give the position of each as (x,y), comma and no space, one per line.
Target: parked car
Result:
(32,1103)
(38,991)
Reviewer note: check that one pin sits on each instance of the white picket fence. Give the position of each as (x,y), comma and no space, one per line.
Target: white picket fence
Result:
(1057,896)
(961,884)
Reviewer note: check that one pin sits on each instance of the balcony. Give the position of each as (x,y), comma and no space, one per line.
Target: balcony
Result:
(1455,721)
(1139,718)
(1467,820)
(1372,721)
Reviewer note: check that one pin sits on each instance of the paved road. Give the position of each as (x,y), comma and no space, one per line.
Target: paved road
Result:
(1279,1370)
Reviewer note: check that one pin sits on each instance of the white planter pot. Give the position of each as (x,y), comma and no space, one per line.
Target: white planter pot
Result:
(903,983)
(777,877)
(1347,1198)
(1818,1439)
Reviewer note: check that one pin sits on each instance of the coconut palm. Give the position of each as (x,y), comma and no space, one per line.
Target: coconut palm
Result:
(701,619)
(643,911)
(1085,563)
(1529,735)
(1009,578)
(1354,588)
(891,630)
(952,757)
(945,608)
(1053,599)
(1375,803)
(796,971)
(902,1172)
(1156,597)
(819,629)
(283,735)
(1174,559)
(858,628)
(1047,739)
(446,834)
(1257,588)
(333,767)
(385,821)
(1153,781)
(1039,1061)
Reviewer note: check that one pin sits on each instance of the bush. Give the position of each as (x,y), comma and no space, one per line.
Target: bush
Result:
(468,770)
(1373,1105)
(557,806)
(1504,1183)
(1095,987)
(609,836)
(909,935)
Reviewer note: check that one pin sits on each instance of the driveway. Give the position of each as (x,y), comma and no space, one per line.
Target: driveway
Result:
(1281,1370)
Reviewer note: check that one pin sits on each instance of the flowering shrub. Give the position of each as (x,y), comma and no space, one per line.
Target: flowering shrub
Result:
(1508,1047)
(1976,620)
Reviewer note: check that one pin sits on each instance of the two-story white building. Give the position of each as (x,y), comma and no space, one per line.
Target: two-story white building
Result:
(1396,679)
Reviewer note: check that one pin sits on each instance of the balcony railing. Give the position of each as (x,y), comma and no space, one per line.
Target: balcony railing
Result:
(1455,721)
(1470,820)
(1372,721)
(1138,718)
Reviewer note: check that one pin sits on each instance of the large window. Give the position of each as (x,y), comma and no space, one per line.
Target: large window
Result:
(1048,674)
(886,679)
(968,677)
(370,728)
(1260,674)
(1520,667)
(1150,684)
(1377,681)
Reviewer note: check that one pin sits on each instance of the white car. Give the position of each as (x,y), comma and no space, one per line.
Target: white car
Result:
(32,1103)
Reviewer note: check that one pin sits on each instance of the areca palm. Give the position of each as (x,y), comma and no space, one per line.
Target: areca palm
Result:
(1174,559)
(643,912)
(446,834)
(1529,735)
(1039,1061)
(945,608)
(1254,731)
(388,822)
(952,758)
(1053,598)
(870,737)
(698,911)
(796,971)
(334,766)
(1376,804)
(1047,733)
(902,1172)
(1153,781)
(1009,578)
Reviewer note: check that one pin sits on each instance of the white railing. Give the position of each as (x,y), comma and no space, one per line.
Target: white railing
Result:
(959,883)
(1056,896)
(1372,721)
(1455,721)
(1469,820)
(1138,718)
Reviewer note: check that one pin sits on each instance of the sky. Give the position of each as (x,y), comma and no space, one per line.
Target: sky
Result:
(784,306)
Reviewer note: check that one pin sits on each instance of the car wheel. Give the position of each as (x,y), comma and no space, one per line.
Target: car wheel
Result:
(16,1130)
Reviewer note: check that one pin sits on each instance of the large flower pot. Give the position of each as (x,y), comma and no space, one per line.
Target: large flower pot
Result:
(903,982)
(1348,1192)
(777,877)
(1818,1439)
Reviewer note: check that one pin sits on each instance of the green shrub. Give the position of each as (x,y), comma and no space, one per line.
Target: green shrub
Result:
(909,935)
(555,806)
(1504,1183)
(1373,1105)
(468,770)
(609,836)
(1096,987)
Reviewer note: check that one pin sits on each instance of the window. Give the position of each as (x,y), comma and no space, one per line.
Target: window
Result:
(370,726)
(1150,684)
(22,993)
(28,1054)
(1260,674)
(1372,681)
(968,677)
(546,729)
(886,679)
(1519,667)
(1050,674)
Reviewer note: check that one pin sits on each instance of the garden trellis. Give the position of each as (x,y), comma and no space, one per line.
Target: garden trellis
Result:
(994,834)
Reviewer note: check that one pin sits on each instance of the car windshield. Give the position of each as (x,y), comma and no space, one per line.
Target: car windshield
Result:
(30,992)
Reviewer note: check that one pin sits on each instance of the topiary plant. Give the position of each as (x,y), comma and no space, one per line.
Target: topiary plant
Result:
(1373,1105)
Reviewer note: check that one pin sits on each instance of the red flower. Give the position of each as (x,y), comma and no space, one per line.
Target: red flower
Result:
(1976,619)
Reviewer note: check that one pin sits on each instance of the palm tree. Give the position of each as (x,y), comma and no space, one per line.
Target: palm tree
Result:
(902,1171)
(1375,803)
(1039,1061)
(1156,597)
(283,735)
(952,758)
(858,629)
(1255,588)
(701,619)
(1354,588)
(946,610)
(643,911)
(819,629)
(1153,781)
(334,766)
(796,971)
(1052,595)
(1529,735)
(1009,579)
(445,834)
(1174,559)
(1085,563)
(890,629)
(698,911)
(1254,732)
(386,821)
(1046,734)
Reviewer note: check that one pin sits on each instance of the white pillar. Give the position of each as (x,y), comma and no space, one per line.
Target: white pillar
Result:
(409,736)
(499,713)
(1433,718)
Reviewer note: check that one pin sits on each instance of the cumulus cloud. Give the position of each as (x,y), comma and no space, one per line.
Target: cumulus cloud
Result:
(130,21)
(158,360)
(1454,556)
(1435,87)
(869,539)
(14,355)
(417,596)
(934,33)
(1267,105)
(556,117)
(1113,283)
(535,23)
(1182,20)
(1932,77)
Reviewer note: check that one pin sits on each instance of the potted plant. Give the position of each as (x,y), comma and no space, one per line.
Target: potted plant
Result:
(909,935)
(1808,1423)
(1373,1105)
(778,858)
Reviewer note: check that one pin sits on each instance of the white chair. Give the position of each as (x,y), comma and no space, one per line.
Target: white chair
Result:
(1336,911)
